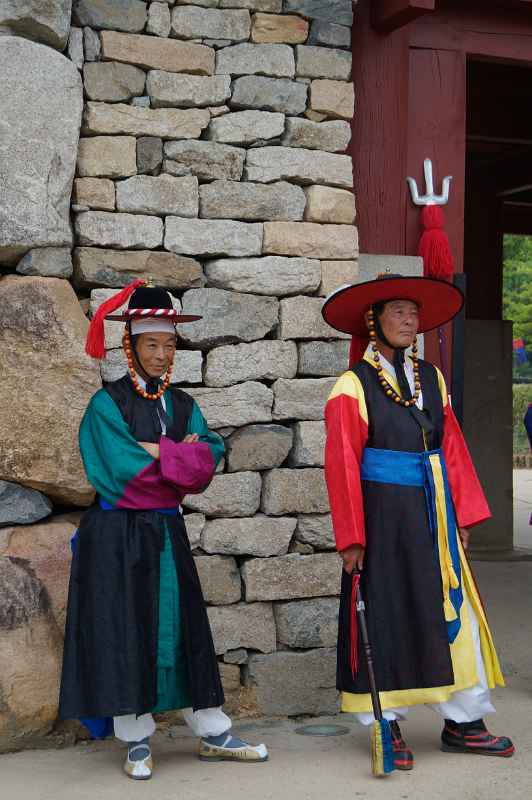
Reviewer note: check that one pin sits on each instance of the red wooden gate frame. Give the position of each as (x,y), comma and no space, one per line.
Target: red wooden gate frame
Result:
(410,84)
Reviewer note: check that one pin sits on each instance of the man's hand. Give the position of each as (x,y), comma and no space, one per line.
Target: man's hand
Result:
(464,536)
(191,438)
(152,449)
(353,558)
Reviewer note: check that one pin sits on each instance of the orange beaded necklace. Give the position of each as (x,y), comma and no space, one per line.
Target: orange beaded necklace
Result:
(128,349)
(388,389)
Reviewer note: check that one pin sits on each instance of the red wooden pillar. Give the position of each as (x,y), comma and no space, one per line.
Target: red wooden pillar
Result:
(437,130)
(380,131)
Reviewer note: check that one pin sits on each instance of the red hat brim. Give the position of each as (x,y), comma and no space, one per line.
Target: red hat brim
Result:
(438,302)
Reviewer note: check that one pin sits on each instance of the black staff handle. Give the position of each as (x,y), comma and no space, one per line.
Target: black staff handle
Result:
(361,614)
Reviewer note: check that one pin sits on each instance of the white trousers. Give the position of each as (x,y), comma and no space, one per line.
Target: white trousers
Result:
(205,722)
(466,705)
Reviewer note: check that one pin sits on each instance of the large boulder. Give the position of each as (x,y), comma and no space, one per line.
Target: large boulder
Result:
(46,21)
(41,101)
(34,570)
(29,636)
(48,380)
(45,549)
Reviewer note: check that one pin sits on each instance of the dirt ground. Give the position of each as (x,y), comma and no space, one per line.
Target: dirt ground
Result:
(311,767)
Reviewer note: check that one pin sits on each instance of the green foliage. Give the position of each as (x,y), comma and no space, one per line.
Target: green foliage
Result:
(522,399)
(517,295)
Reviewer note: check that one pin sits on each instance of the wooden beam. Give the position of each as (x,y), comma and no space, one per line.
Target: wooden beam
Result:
(485,32)
(388,15)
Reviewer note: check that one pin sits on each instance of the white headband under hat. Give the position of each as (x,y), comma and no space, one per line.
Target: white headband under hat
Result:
(152,325)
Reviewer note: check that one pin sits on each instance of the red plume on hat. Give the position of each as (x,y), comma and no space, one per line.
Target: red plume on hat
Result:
(95,341)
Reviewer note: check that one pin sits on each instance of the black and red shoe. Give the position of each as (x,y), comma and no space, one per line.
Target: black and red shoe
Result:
(474,737)
(403,757)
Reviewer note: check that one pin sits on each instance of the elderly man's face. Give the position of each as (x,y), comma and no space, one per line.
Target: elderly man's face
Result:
(156,352)
(400,322)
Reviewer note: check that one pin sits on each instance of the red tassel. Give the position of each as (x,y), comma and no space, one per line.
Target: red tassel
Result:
(357,349)
(353,628)
(434,245)
(95,341)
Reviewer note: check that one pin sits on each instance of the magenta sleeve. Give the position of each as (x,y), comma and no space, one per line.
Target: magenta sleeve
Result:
(187,465)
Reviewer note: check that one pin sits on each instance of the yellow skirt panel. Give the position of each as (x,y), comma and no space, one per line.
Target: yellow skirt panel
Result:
(462,655)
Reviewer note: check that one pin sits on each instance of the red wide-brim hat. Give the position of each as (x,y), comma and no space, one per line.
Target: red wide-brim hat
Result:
(438,302)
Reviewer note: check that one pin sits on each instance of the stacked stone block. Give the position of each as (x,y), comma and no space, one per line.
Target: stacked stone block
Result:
(212,159)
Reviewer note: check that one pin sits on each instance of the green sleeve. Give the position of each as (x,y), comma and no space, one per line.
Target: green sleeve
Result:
(198,424)
(110,454)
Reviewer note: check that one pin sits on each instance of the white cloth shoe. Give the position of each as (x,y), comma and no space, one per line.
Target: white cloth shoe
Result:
(229,748)
(140,770)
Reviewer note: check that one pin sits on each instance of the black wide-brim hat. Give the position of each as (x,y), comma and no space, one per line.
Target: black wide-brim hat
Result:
(144,302)
(151,301)
(438,302)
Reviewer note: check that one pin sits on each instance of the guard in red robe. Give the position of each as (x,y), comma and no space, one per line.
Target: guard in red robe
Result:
(404,493)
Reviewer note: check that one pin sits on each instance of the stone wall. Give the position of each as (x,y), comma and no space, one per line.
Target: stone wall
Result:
(211,158)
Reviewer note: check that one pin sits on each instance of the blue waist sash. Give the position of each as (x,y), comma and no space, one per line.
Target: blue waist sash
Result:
(426,470)
(105,506)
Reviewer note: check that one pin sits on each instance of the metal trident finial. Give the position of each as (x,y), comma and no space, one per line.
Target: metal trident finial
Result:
(430,199)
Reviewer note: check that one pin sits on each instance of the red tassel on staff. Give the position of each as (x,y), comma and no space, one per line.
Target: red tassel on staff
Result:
(434,245)
(353,628)
(95,341)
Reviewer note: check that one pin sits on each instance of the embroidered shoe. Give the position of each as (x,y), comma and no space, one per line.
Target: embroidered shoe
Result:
(139,769)
(227,747)
(474,737)
(403,757)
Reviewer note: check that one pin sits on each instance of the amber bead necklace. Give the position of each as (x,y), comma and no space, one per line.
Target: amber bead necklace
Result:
(388,389)
(138,388)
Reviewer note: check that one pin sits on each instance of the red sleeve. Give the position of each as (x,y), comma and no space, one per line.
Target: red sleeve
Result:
(469,500)
(347,433)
